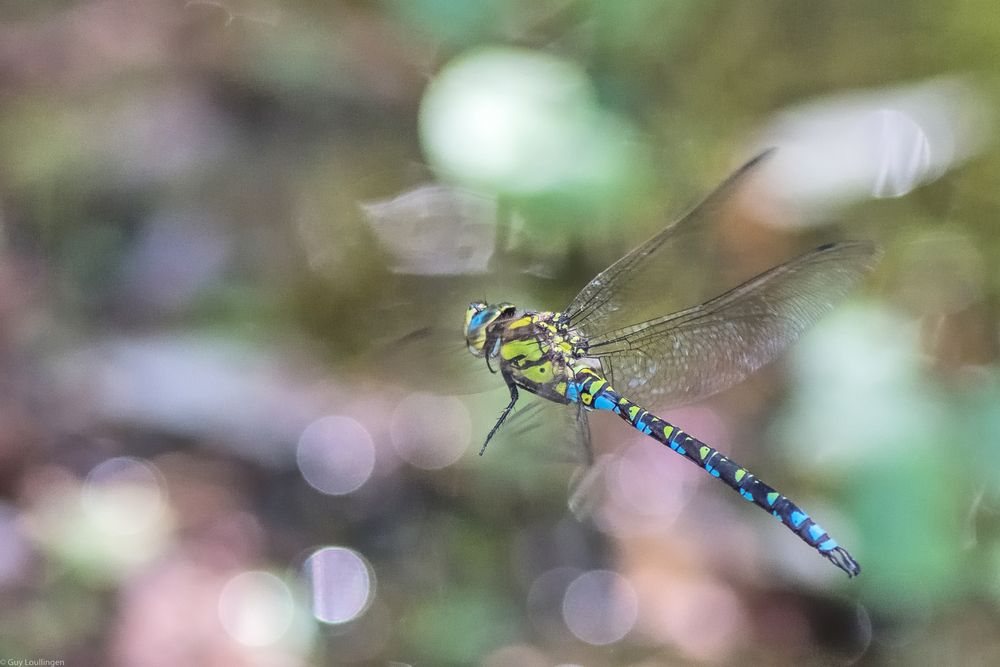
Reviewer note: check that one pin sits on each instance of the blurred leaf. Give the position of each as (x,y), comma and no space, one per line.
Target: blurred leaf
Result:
(460,626)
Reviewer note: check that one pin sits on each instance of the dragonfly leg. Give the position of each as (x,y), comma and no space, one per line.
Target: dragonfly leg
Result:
(503,415)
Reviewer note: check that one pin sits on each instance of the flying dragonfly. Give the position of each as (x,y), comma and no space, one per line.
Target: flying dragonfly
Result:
(583,357)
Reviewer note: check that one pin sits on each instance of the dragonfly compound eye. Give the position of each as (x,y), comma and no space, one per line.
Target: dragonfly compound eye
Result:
(478,318)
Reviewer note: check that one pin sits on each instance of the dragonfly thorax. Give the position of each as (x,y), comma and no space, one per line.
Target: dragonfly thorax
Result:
(536,351)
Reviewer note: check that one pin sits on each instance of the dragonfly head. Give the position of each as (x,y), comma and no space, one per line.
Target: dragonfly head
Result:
(478,319)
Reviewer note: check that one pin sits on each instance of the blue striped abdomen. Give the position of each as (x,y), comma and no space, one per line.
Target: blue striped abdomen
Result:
(595,392)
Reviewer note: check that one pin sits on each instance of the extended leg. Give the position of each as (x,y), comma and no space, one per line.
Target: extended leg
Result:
(503,415)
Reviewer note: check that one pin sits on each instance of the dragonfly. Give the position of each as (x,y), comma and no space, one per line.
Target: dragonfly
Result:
(582,357)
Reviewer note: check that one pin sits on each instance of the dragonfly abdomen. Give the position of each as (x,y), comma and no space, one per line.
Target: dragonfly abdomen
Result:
(595,392)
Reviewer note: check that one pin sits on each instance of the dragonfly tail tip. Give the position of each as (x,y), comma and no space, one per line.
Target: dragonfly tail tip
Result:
(842,559)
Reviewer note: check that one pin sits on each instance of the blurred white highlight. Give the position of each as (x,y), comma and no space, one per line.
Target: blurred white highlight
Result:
(117,521)
(123,496)
(545,600)
(335,454)
(882,143)
(902,152)
(341,582)
(600,607)
(256,608)
(515,120)
(506,117)
(430,431)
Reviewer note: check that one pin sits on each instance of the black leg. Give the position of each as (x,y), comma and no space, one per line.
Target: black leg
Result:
(503,415)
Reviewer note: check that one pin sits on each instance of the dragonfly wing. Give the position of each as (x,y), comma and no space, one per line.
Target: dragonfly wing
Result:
(627,287)
(585,484)
(431,359)
(581,435)
(562,429)
(694,353)
(562,434)
(435,230)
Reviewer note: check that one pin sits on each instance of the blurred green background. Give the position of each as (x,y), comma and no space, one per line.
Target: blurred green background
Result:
(229,229)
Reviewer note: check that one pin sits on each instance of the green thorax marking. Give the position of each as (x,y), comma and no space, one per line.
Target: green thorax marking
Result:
(538,354)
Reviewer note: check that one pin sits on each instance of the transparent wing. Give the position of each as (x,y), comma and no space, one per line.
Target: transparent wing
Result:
(584,488)
(551,442)
(564,429)
(435,230)
(444,248)
(691,354)
(432,358)
(628,290)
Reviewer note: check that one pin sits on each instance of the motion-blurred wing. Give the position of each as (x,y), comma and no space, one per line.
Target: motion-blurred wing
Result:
(694,353)
(435,230)
(433,359)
